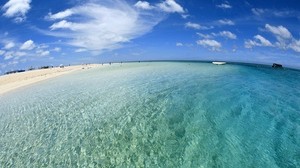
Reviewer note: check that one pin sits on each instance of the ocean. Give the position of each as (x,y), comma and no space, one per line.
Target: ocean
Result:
(155,114)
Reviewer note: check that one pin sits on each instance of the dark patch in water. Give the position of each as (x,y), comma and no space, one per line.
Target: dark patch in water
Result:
(180,132)
(78,150)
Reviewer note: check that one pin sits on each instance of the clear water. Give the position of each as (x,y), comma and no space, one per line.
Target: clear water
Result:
(155,115)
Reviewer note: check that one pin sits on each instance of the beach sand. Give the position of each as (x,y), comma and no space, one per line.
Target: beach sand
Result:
(17,80)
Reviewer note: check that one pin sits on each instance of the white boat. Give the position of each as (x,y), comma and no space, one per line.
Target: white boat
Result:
(219,63)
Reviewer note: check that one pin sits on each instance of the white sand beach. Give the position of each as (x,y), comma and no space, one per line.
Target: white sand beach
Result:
(17,80)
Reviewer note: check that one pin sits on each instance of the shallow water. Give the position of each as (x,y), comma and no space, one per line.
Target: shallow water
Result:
(166,114)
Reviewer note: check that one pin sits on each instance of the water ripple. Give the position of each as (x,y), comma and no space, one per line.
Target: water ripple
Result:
(155,115)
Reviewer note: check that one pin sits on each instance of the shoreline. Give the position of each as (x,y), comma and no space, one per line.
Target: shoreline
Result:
(14,81)
(17,80)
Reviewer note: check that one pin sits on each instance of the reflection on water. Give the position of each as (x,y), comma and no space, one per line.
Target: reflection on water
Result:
(155,115)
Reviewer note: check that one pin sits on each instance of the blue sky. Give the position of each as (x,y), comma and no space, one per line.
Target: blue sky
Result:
(54,32)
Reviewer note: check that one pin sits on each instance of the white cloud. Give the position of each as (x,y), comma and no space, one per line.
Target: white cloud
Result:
(16,9)
(263,41)
(61,25)
(13,54)
(206,36)
(2,52)
(279,31)
(179,44)
(258,41)
(212,44)
(28,45)
(227,34)
(60,15)
(170,6)
(224,6)
(295,45)
(20,54)
(9,45)
(43,52)
(42,46)
(143,5)
(14,62)
(196,26)
(80,50)
(250,44)
(282,34)
(19,19)
(226,22)
(184,16)
(14,51)
(284,37)
(103,25)
(57,49)
(193,25)
(257,11)
(285,13)
(8,55)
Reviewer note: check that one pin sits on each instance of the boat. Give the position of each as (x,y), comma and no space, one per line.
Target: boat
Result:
(277,66)
(219,63)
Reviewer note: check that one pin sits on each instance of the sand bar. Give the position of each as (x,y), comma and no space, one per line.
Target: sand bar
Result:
(17,80)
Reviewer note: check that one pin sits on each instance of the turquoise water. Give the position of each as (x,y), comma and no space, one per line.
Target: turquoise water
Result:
(166,114)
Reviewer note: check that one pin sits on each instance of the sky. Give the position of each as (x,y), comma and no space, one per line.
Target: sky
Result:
(35,33)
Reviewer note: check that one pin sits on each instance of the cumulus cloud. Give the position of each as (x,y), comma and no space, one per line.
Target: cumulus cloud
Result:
(102,25)
(13,54)
(284,37)
(226,22)
(62,25)
(258,11)
(20,53)
(285,13)
(14,62)
(185,16)
(196,26)
(227,34)
(224,6)
(9,45)
(279,31)
(8,55)
(144,5)
(28,45)
(2,52)
(43,52)
(258,41)
(170,6)
(193,25)
(57,49)
(42,46)
(295,45)
(206,36)
(212,44)
(60,15)
(263,41)
(16,9)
